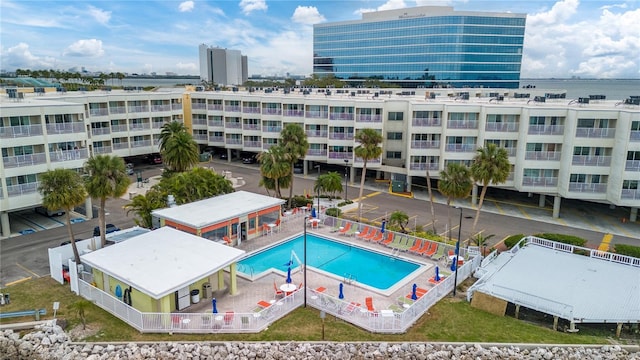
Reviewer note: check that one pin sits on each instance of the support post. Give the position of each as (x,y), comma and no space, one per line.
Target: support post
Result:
(633,217)
(474,195)
(618,330)
(88,206)
(556,206)
(542,200)
(555,323)
(233,282)
(4,224)
(517,310)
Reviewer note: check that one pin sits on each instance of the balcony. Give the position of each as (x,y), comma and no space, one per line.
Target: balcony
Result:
(316,133)
(217,123)
(217,107)
(632,165)
(120,145)
(22,189)
(232,125)
(587,187)
(99,112)
(176,106)
(359,160)
(199,106)
(460,148)
(316,114)
(423,166)
(232,108)
(157,124)
(634,136)
(158,108)
(540,181)
(272,129)
(216,139)
(199,121)
(233,141)
(425,144)
(119,128)
(138,108)
(201,137)
(630,194)
(595,133)
(141,143)
(340,136)
(269,111)
(24,160)
(502,126)
(293,113)
(251,127)
(267,146)
(253,144)
(102,150)
(65,128)
(117,110)
(251,110)
(68,155)
(511,151)
(340,155)
(462,124)
(139,127)
(586,160)
(8,132)
(317,152)
(542,155)
(100,131)
(341,116)
(426,122)
(367,118)
(546,129)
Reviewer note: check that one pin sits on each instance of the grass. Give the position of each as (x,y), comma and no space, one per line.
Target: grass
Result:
(451,320)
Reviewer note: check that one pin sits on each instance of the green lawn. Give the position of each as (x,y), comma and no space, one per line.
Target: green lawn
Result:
(451,320)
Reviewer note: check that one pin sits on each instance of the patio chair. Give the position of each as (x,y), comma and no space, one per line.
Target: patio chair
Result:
(264,304)
(372,234)
(406,244)
(277,292)
(416,247)
(337,227)
(369,303)
(277,227)
(365,232)
(379,236)
(345,229)
(228,318)
(439,252)
(388,240)
(226,240)
(351,307)
(321,289)
(395,308)
(431,250)
(266,230)
(395,244)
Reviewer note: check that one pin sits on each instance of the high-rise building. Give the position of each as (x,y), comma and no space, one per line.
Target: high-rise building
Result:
(430,46)
(222,66)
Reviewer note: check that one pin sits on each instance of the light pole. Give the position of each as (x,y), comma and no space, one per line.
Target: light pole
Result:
(305,261)
(455,276)
(346,176)
(318,189)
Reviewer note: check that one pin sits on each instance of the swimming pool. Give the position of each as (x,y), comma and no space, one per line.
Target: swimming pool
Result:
(367,267)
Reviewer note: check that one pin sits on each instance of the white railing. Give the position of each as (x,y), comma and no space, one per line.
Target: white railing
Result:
(425,144)
(588,187)
(157,108)
(426,122)
(271,111)
(21,189)
(587,160)
(595,132)
(542,155)
(597,254)
(633,194)
(67,155)
(368,118)
(20,131)
(540,181)
(64,128)
(24,160)
(99,112)
(502,126)
(102,150)
(546,129)
(462,124)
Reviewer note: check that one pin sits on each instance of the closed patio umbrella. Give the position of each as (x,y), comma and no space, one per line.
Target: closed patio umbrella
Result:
(313,213)
(414,295)
(384,223)
(213,303)
(437,278)
(341,295)
(289,275)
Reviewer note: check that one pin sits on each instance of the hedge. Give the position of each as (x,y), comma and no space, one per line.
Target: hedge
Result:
(512,240)
(335,212)
(629,250)
(562,238)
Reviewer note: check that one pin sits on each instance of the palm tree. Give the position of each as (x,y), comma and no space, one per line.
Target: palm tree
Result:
(274,167)
(399,218)
(80,308)
(455,183)
(106,178)
(368,149)
(63,189)
(430,192)
(143,205)
(180,152)
(168,131)
(490,165)
(295,145)
(329,183)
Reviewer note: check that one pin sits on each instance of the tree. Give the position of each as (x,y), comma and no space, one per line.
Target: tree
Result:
(180,152)
(143,205)
(455,183)
(330,183)
(274,168)
(168,131)
(430,192)
(106,178)
(490,165)
(368,149)
(80,308)
(63,189)
(295,145)
(399,218)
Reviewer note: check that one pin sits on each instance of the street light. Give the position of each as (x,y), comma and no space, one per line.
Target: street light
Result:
(346,176)
(455,276)
(305,261)
(318,189)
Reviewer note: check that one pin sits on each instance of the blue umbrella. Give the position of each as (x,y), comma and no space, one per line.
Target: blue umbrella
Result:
(454,263)
(458,248)
(313,212)
(341,295)
(414,295)
(213,303)
(384,222)
(289,275)
(437,274)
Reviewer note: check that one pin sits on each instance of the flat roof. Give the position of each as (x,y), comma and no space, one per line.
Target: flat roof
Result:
(162,261)
(214,210)
(574,287)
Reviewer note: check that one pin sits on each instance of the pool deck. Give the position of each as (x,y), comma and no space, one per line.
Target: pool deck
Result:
(251,292)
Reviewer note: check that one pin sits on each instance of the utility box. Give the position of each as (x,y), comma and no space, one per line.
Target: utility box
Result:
(206,290)
(397,186)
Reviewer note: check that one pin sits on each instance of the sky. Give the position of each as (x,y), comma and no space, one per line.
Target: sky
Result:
(563,39)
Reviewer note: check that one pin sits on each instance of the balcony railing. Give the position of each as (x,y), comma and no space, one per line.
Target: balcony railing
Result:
(368,118)
(198,136)
(251,110)
(68,155)
(462,124)
(157,124)
(233,141)
(100,131)
(216,123)
(426,122)
(317,152)
(586,160)
(141,143)
(199,121)
(425,144)
(460,147)
(632,165)
(251,127)
(267,146)
(232,108)
(253,144)
(24,160)
(542,155)
(199,106)
(272,129)
(120,145)
(341,116)
(233,125)
(595,133)
(340,136)
(65,128)
(8,132)
(587,187)
(118,128)
(293,113)
(22,189)
(546,129)
(630,194)
(117,109)
(340,155)
(316,114)
(99,112)
(317,133)
(102,150)
(540,181)
(511,151)
(218,139)
(359,160)
(270,111)
(502,126)
(217,107)
(176,106)
(158,108)
(139,127)
(138,108)
(634,136)
(423,166)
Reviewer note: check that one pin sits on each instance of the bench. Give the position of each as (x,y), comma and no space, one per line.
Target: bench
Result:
(37,313)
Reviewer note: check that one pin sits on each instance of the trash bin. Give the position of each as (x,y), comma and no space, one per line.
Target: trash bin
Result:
(206,290)
(195,296)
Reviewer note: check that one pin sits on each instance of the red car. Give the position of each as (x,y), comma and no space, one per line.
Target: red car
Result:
(154,159)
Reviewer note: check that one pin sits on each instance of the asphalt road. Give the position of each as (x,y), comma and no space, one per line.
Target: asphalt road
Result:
(26,256)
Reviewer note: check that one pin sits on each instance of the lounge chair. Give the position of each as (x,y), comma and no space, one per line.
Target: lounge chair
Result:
(226,240)
(372,234)
(228,318)
(419,293)
(379,236)
(407,244)
(345,229)
(277,292)
(416,247)
(321,289)
(395,308)
(351,307)
(395,244)
(369,303)
(264,304)
(439,252)
(337,227)
(365,232)
(388,240)
(429,250)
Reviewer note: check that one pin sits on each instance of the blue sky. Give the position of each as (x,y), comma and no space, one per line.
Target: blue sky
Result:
(589,39)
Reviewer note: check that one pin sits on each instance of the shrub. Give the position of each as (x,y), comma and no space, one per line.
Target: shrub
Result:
(512,240)
(562,238)
(629,250)
(335,212)
(344,203)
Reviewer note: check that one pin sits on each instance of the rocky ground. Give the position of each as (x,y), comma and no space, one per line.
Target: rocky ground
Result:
(49,341)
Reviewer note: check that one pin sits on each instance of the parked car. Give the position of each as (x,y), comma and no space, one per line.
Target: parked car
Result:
(129,169)
(223,156)
(46,212)
(154,159)
(108,229)
(250,159)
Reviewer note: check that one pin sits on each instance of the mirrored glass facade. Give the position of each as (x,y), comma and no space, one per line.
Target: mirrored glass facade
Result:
(423,46)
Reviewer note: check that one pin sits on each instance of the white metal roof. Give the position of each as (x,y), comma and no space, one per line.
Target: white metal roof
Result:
(162,261)
(201,213)
(574,287)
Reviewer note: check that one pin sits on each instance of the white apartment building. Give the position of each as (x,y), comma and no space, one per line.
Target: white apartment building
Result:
(562,148)
(222,66)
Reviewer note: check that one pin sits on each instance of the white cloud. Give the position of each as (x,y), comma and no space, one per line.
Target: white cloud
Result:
(559,13)
(100,15)
(435,2)
(85,48)
(186,6)
(389,5)
(307,15)
(20,56)
(188,68)
(249,6)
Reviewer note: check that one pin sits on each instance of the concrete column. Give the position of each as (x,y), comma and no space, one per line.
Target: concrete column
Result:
(572,327)
(618,330)
(352,174)
(517,310)
(88,206)
(555,323)
(305,167)
(633,217)
(4,224)
(542,200)
(233,281)
(229,154)
(220,279)
(556,206)
(409,181)
(474,195)
(379,174)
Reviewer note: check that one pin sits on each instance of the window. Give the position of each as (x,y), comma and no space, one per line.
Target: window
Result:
(578,178)
(394,136)
(394,154)
(581,150)
(635,126)
(630,184)
(395,116)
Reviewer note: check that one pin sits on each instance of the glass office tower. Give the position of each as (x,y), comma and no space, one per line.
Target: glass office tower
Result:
(429,46)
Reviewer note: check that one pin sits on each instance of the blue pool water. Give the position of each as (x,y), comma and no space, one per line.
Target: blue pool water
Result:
(367,267)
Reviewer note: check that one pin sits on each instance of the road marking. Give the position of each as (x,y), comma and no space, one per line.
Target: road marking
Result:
(606,240)
(27,270)
(561,221)
(498,207)
(523,212)
(18,281)
(372,194)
